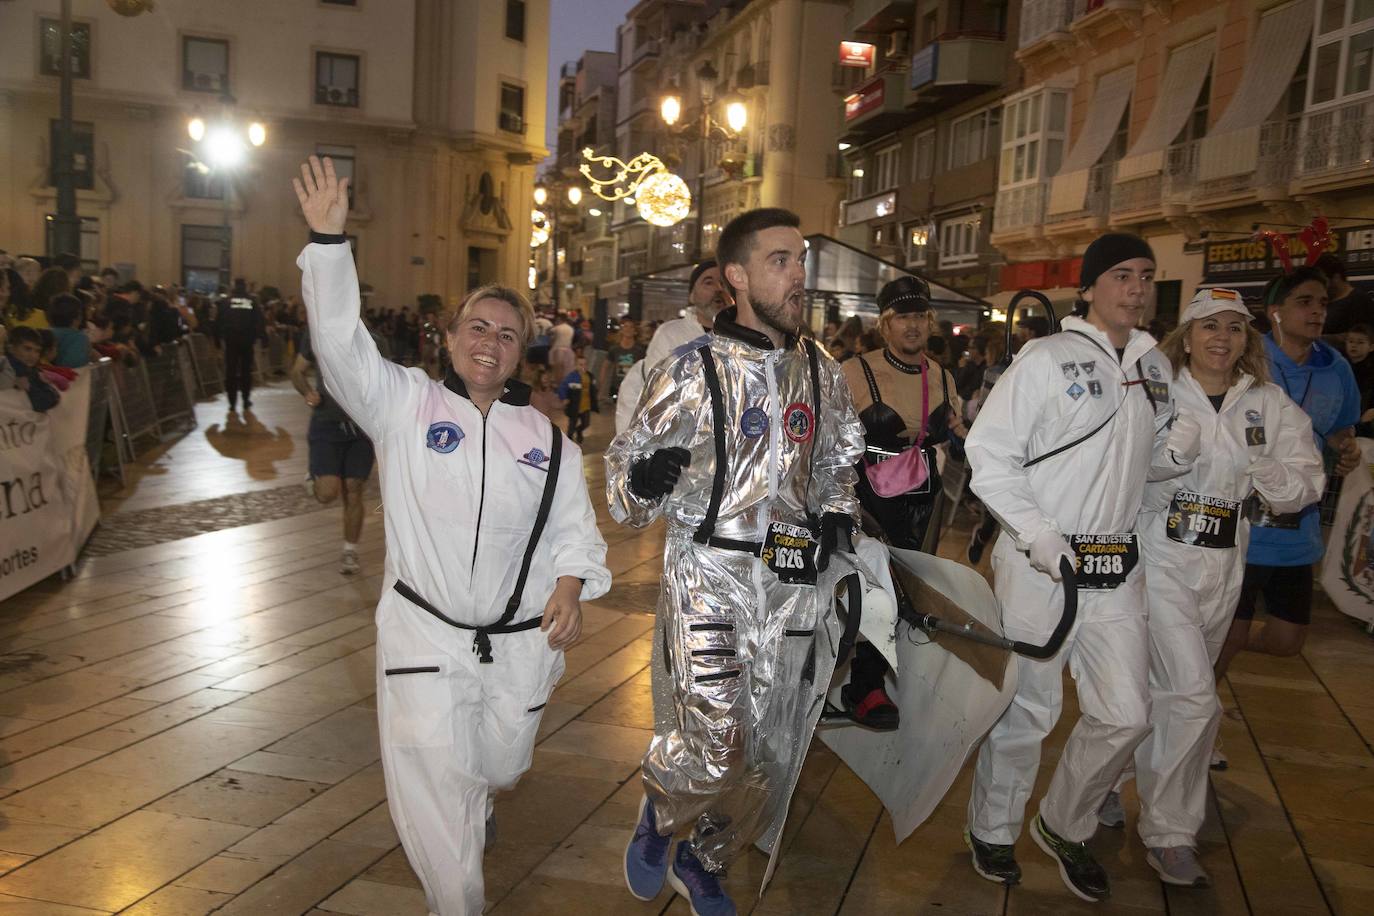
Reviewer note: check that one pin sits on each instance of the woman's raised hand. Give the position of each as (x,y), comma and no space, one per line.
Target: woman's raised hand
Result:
(323,197)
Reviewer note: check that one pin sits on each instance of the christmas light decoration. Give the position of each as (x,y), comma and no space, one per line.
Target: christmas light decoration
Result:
(661,197)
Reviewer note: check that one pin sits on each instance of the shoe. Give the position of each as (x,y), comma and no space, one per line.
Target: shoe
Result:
(1178,865)
(701,888)
(976,545)
(310,485)
(348,565)
(1077,867)
(646,856)
(993,860)
(1111,814)
(489,840)
(1219,761)
(876,710)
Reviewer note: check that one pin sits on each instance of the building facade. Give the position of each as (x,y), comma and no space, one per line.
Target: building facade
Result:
(1192,123)
(923,84)
(772,55)
(434,107)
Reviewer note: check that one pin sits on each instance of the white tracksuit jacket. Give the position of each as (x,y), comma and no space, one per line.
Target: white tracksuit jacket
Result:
(461,493)
(1058,389)
(1193,589)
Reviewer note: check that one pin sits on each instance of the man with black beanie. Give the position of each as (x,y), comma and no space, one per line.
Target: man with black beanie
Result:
(1061,452)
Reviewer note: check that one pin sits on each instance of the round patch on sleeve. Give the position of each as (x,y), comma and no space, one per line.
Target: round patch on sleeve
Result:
(799,421)
(443,437)
(753,422)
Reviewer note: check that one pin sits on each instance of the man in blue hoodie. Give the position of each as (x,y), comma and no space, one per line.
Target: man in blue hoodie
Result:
(1283,548)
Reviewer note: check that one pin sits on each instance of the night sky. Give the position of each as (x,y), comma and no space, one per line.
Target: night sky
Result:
(577,26)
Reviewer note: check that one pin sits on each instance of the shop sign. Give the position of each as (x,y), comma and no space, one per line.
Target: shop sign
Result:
(856,54)
(867,98)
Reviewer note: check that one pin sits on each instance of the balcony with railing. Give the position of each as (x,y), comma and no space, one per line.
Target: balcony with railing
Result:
(1094,20)
(1096,203)
(1020,209)
(643,53)
(1044,20)
(1255,172)
(1150,195)
(1338,146)
(956,66)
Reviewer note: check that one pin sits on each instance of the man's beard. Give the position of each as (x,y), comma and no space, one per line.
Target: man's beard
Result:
(708,310)
(774,314)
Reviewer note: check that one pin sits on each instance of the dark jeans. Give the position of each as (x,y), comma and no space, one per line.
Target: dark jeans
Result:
(577,424)
(238,370)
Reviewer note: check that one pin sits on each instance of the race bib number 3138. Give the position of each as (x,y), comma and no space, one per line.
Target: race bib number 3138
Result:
(1104,560)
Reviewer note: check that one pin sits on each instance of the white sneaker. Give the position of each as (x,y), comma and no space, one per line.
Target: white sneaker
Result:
(348,565)
(1178,865)
(1219,761)
(1112,814)
(310,486)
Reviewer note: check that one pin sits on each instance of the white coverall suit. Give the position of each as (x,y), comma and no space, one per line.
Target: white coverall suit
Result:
(1194,583)
(741,641)
(1057,390)
(461,494)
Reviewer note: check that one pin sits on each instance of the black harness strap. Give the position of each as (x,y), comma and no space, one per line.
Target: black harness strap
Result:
(708,524)
(481,640)
(872,382)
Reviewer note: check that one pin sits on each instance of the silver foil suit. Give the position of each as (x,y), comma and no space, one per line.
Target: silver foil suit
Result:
(740,644)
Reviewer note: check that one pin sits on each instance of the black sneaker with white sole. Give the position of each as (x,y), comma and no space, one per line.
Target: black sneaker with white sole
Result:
(1077,867)
(993,860)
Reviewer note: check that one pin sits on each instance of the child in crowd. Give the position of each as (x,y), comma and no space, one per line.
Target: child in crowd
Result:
(578,389)
(59,377)
(73,345)
(23,352)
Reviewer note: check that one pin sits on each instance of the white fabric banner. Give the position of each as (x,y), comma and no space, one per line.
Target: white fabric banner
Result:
(1231,147)
(1183,78)
(1348,567)
(1068,190)
(48,504)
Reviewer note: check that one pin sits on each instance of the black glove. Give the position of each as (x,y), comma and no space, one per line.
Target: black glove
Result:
(654,477)
(837,533)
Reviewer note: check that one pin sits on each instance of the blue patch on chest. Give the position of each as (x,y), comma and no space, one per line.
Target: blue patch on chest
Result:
(443,437)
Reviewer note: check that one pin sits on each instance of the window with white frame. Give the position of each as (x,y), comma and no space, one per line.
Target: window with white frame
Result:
(916,241)
(885,165)
(974,137)
(50,50)
(1343,52)
(959,241)
(1034,129)
(336,79)
(204,64)
(923,156)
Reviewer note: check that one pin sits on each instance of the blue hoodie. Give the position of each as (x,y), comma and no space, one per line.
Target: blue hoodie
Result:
(1325,388)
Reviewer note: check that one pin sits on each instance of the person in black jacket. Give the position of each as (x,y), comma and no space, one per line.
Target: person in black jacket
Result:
(238,324)
(25,346)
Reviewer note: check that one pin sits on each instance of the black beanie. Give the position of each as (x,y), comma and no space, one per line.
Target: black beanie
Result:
(1109,250)
(697,272)
(905,295)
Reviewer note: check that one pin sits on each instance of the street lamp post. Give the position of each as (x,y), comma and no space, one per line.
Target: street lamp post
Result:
(66,224)
(737,116)
(222,147)
(573,194)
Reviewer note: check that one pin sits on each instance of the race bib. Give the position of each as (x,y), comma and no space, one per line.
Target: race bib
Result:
(1203,521)
(790,552)
(1104,560)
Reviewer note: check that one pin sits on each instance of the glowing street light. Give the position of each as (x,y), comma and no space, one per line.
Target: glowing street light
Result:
(257,133)
(224,147)
(541,196)
(670,109)
(736,115)
(574,195)
(195,129)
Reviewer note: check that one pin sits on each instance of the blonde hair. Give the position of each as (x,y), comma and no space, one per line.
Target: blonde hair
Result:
(1253,360)
(885,319)
(505,294)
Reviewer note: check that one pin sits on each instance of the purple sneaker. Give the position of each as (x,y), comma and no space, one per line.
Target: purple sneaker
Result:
(646,857)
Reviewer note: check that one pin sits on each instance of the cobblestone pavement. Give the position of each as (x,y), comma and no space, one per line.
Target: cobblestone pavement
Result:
(144,528)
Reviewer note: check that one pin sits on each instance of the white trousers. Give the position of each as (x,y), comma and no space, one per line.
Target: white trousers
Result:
(453,731)
(1107,655)
(1191,607)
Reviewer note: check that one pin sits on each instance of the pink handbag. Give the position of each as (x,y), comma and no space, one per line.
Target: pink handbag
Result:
(907,472)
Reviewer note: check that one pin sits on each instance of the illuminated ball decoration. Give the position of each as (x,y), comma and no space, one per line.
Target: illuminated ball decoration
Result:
(539,231)
(663,199)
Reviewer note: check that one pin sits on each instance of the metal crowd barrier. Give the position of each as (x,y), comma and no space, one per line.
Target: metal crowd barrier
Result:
(136,400)
(168,377)
(208,365)
(105,415)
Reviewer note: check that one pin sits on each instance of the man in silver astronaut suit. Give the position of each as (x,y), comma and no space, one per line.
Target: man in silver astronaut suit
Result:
(744,441)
